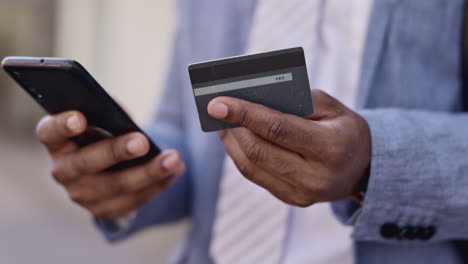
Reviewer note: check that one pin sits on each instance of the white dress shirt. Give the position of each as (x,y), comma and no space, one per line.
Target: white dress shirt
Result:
(334,59)
(314,235)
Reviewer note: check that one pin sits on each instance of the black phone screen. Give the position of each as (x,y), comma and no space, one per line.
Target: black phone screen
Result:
(71,87)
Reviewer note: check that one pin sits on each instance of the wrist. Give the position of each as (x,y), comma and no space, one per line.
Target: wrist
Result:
(361,188)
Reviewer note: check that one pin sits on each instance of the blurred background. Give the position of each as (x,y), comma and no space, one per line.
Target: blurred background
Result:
(38,224)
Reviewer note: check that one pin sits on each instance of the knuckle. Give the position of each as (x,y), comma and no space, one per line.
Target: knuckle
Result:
(137,201)
(56,173)
(129,204)
(148,172)
(302,200)
(76,197)
(334,154)
(95,210)
(287,195)
(148,196)
(286,200)
(117,152)
(146,199)
(79,164)
(118,214)
(247,170)
(123,203)
(223,134)
(61,173)
(316,190)
(112,188)
(255,152)
(320,189)
(136,184)
(244,117)
(286,168)
(277,130)
(99,212)
(303,203)
(152,172)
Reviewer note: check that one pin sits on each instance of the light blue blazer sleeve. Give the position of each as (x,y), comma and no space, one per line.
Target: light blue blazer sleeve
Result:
(419,175)
(419,167)
(167,132)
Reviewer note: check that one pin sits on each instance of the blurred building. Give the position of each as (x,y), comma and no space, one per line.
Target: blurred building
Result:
(26,27)
(109,37)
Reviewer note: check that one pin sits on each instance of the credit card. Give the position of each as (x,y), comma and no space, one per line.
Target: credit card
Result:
(276,79)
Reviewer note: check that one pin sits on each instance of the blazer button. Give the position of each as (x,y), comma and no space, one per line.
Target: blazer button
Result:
(389,231)
(408,232)
(426,233)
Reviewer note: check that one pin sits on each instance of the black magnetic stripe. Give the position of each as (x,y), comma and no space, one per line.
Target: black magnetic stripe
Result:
(247,67)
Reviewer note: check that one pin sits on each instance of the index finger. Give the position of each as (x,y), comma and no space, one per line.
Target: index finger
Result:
(286,130)
(55,131)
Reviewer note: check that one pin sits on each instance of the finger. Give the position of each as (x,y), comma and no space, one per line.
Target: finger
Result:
(269,157)
(100,156)
(121,206)
(55,131)
(286,165)
(325,106)
(112,184)
(277,186)
(285,130)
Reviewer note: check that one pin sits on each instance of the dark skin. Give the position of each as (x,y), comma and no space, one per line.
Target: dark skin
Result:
(301,161)
(82,170)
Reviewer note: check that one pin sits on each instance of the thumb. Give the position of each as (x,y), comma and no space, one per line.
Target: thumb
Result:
(325,106)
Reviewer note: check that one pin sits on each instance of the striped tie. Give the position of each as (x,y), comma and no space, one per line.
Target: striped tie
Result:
(251,223)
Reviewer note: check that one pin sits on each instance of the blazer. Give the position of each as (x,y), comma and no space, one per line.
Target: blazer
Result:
(416,203)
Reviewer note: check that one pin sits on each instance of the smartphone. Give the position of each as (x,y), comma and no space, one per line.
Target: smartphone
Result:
(60,85)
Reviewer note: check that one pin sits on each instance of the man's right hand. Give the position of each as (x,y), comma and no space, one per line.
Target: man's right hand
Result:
(82,170)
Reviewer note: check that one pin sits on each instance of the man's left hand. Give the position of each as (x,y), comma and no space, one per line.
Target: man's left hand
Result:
(301,161)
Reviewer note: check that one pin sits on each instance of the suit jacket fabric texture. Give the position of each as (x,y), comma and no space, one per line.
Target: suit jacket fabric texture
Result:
(410,94)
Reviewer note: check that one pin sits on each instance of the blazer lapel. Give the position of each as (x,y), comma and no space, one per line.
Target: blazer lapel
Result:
(376,37)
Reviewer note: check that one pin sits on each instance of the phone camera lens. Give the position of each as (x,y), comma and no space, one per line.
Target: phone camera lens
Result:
(42,61)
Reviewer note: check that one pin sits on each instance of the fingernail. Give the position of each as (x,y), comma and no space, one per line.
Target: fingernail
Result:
(73,123)
(171,162)
(136,146)
(218,110)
